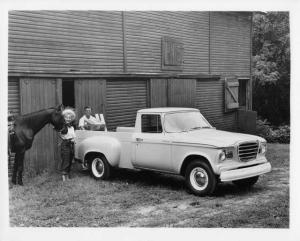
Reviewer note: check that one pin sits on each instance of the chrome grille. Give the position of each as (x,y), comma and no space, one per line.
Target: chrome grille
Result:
(248,151)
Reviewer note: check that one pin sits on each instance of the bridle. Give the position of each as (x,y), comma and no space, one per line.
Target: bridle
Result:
(63,113)
(55,128)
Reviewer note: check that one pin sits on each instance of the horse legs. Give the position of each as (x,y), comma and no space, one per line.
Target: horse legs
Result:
(18,168)
(15,169)
(21,167)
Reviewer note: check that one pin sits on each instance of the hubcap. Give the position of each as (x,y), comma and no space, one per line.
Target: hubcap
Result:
(199,178)
(98,167)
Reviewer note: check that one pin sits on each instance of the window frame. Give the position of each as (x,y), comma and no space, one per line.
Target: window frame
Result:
(247,93)
(157,116)
(172,48)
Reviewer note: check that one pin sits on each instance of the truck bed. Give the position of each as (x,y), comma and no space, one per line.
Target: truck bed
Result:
(123,135)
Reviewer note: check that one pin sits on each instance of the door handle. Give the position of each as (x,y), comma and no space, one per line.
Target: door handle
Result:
(138,139)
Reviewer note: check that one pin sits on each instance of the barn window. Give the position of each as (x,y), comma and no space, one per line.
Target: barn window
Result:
(68,95)
(172,54)
(236,93)
(151,124)
(243,83)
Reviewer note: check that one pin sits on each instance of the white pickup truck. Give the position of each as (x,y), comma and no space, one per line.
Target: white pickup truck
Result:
(178,141)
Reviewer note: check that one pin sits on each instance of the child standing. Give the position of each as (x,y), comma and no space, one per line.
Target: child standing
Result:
(67,135)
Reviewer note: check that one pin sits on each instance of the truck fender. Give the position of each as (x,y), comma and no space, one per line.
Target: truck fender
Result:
(109,146)
(193,155)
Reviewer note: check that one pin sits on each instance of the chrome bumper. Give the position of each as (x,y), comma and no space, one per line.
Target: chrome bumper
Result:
(245,172)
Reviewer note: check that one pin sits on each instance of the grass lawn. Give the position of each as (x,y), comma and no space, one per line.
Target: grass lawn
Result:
(138,199)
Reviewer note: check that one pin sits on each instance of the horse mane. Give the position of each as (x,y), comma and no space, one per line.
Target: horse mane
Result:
(32,114)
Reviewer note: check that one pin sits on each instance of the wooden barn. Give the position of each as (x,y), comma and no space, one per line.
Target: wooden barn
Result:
(119,62)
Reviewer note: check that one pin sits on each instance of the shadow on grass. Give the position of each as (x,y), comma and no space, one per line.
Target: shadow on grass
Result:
(172,182)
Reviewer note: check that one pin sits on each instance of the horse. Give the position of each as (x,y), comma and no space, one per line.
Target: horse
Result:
(25,127)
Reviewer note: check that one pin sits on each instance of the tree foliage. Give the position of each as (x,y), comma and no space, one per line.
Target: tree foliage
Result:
(271,66)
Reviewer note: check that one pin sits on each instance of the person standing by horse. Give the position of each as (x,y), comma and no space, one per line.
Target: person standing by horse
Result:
(22,133)
(67,135)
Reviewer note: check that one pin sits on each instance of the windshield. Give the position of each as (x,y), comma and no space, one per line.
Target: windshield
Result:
(185,121)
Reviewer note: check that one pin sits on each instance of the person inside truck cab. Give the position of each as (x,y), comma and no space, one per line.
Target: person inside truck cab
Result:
(89,122)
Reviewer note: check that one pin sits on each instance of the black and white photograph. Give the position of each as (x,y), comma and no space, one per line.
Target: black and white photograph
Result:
(149,119)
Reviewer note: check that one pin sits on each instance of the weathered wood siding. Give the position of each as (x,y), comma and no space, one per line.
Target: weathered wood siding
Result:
(90,92)
(14,95)
(210,101)
(144,30)
(14,106)
(158,93)
(64,41)
(172,92)
(230,43)
(181,92)
(94,41)
(123,99)
(230,49)
(112,42)
(37,94)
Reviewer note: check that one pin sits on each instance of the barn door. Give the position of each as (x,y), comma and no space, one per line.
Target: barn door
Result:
(90,92)
(124,98)
(37,94)
(181,92)
(159,92)
(231,94)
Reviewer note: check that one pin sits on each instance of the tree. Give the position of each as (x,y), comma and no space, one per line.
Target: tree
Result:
(271,66)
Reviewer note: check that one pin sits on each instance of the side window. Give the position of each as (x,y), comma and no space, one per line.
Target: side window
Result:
(151,124)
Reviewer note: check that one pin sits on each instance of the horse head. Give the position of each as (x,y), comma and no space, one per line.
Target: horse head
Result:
(57,118)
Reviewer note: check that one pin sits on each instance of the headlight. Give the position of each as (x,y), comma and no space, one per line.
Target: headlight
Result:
(228,154)
(222,156)
(262,148)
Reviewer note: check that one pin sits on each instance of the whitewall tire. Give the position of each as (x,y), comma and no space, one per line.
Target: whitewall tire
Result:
(100,169)
(200,179)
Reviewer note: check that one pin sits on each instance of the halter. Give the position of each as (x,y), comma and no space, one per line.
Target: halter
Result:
(67,112)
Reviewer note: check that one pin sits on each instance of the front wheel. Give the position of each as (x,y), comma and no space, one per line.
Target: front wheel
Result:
(246,183)
(100,168)
(200,179)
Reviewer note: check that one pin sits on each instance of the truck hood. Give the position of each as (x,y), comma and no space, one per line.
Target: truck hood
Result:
(214,138)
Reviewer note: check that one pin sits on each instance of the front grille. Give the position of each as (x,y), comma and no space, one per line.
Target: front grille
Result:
(248,151)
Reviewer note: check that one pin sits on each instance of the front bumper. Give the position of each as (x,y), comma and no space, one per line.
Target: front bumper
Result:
(245,172)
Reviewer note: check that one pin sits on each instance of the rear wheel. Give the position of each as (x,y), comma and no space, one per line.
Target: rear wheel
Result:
(246,183)
(200,179)
(100,168)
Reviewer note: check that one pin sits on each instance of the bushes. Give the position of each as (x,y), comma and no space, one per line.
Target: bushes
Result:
(280,134)
(271,66)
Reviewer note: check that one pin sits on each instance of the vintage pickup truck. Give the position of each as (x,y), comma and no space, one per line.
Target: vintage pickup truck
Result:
(177,141)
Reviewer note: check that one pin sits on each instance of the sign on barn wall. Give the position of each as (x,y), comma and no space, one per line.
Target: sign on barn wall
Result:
(172,54)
